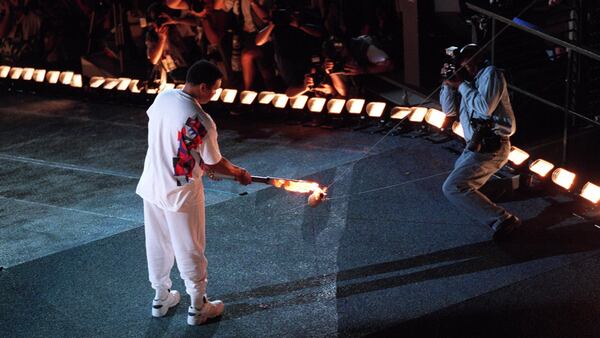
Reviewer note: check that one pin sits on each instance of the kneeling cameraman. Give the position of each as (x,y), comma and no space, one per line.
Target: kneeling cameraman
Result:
(488,121)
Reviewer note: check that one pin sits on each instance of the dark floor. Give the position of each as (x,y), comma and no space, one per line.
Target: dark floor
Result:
(387,255)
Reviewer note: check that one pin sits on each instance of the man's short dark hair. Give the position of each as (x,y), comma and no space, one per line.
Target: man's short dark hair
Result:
(472,53)
(203,71)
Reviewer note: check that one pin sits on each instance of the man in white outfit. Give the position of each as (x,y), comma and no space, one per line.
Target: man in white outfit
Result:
(182,144)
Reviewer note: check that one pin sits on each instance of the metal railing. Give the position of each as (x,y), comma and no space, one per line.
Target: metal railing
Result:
(570,47)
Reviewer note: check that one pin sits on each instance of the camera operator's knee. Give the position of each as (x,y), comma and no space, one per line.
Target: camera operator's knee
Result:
(452,188)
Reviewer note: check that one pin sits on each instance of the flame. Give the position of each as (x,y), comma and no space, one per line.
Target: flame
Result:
(298,186)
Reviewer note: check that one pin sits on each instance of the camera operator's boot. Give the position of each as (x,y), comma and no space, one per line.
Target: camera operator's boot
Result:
(506,228)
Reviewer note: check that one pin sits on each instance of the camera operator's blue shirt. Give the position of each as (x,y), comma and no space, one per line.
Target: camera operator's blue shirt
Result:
(486,99)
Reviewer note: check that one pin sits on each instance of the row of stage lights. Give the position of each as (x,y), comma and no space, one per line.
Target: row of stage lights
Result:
(560,176)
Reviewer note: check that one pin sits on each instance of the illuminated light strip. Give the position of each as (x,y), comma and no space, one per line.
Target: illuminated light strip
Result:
(27,74)
(15,73)
(298,102)
(400,113)
(180,86)
(124,83)
(280,100)
(355,106)
(167,86)
(39,75)
(4,71)
(435,118)
(517,156)
(66,77)
(316,104)
(77,81)
(541,167)
(563,178)
(217,95)
(418,114)
(133,86)
(591,192)
(228,95)
(52,76)
(248,96)
(265,97)
(458,129)
(335,106)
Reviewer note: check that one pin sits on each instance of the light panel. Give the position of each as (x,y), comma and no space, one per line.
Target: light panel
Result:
(316,104)
(39,75)
(110,83)
(15,73)
(563,177)
(27,74)
(375,109)
(96,81)
(77,81)
(52,76)
(435,118)
(180,86)
(280,100)
(418,114)
(591,192)
(335,106)
(265,97)
(517,156)
(541,167)
(124,83)
(228,95)
(458,129)
(248,96)
(399,113)
(355,106)
(298,102)
(66,77)
(4,70)
(133,86)
(217,95)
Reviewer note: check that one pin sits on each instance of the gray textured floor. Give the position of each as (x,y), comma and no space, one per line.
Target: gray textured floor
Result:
(374,259)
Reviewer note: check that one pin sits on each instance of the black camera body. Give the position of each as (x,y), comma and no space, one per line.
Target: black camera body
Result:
(451,62)
(196,5)
(484,139)
(319,76)
(281,16)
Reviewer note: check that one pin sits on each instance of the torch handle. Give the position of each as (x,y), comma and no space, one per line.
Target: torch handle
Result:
(255,179)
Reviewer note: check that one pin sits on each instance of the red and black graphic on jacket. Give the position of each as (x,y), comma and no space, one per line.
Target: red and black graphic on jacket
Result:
(190,137)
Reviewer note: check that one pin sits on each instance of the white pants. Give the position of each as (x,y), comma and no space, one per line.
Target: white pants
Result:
(180,236)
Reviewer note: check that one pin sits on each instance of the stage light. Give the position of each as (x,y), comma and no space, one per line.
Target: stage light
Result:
(280,100)
(435,118)
(52,76)
(151,91)
(77,81)
(517,156)
(217,95)
(39,75)
(110,83)
(316,104)
(541,167)
(458,129)
(265,97)
(133,86)
(27,74)
(15,73)
(563,177)
(66,77)
(248,96)
(228,95)
(96,81)
(400,113)
(418,114)
(355,106)
(124,83)
(298,102)
(375,109)
(4,70)
(591,192)
(180,86)
(167,86)
(335,106)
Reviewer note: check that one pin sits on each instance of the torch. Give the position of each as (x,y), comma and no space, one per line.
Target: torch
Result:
(317,193)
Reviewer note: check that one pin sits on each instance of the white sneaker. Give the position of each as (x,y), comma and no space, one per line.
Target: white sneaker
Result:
(209,310)
(161,306)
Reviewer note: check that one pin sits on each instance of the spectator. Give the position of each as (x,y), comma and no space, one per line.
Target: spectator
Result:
(21,42)
(295,39)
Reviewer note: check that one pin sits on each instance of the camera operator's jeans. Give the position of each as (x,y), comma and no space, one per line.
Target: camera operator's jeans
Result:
(471,171)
